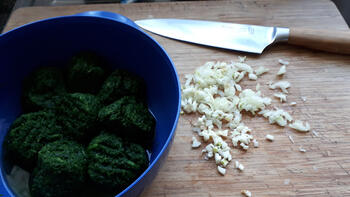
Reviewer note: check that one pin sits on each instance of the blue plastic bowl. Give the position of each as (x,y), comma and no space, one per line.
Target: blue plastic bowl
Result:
(53,41)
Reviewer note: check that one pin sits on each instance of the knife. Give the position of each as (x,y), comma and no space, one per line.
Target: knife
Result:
(247,38)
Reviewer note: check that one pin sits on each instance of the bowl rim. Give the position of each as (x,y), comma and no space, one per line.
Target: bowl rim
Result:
(128,24)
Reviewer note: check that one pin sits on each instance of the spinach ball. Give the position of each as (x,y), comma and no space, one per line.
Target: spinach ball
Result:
(129,118)
(63,157)
(85,73)
(28,134)
(44,184)
(114,163)
(41,87)
(61,170)
(77,113)
(122,83)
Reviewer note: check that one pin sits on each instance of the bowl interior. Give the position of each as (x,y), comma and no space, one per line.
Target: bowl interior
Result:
(52,42)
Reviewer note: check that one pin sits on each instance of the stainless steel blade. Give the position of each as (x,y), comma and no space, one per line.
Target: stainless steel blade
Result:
(241,37)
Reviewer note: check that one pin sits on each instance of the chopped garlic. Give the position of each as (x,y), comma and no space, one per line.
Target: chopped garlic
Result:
(221,170)
(217,158)
(242,135)
(261,70)
(270,137)
(238,88)
(283,62)
(278,116)
(255,143)
(188,78)
(236,164)
(243,67)
(299,126)
(301,149)
(282,70)
(240,167)
(224,162)
(286,181)
(303,98)
(315,133)
(246,193)
(293,103)
(209,150)
(252,76)
(281,96)
(207,134)
(242,59)
(214,93)
(257,87)
(219,149)
(236,121)
(195,142)
(238,76)
(222,133)
(283,85)
(291,139)
(245,147)
(252,101)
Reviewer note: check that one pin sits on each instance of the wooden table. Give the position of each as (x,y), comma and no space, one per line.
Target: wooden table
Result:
(273,169)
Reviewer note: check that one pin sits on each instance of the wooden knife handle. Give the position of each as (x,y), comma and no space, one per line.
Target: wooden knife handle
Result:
(325,40)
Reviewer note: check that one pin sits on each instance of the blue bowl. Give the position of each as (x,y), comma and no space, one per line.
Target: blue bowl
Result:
(116,38)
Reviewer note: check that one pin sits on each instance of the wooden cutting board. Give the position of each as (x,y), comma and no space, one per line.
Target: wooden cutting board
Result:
(275,168)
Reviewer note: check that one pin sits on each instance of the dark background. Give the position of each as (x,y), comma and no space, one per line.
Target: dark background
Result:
(344,8)
(7,6)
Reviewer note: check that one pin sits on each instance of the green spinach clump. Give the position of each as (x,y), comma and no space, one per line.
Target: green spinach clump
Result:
(113,162)
(61,170)
(41,87)
(28,134)
(81,125)
(129,118)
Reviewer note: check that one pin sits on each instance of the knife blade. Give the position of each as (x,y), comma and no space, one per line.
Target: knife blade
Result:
(248,38)
(245,37)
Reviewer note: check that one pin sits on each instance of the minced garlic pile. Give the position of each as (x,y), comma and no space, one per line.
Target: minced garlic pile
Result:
(213,92)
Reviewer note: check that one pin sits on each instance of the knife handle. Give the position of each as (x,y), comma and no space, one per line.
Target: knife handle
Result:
(331,41)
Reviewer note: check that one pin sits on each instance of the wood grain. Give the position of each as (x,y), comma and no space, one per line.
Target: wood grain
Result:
(273,169)
(325,40)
